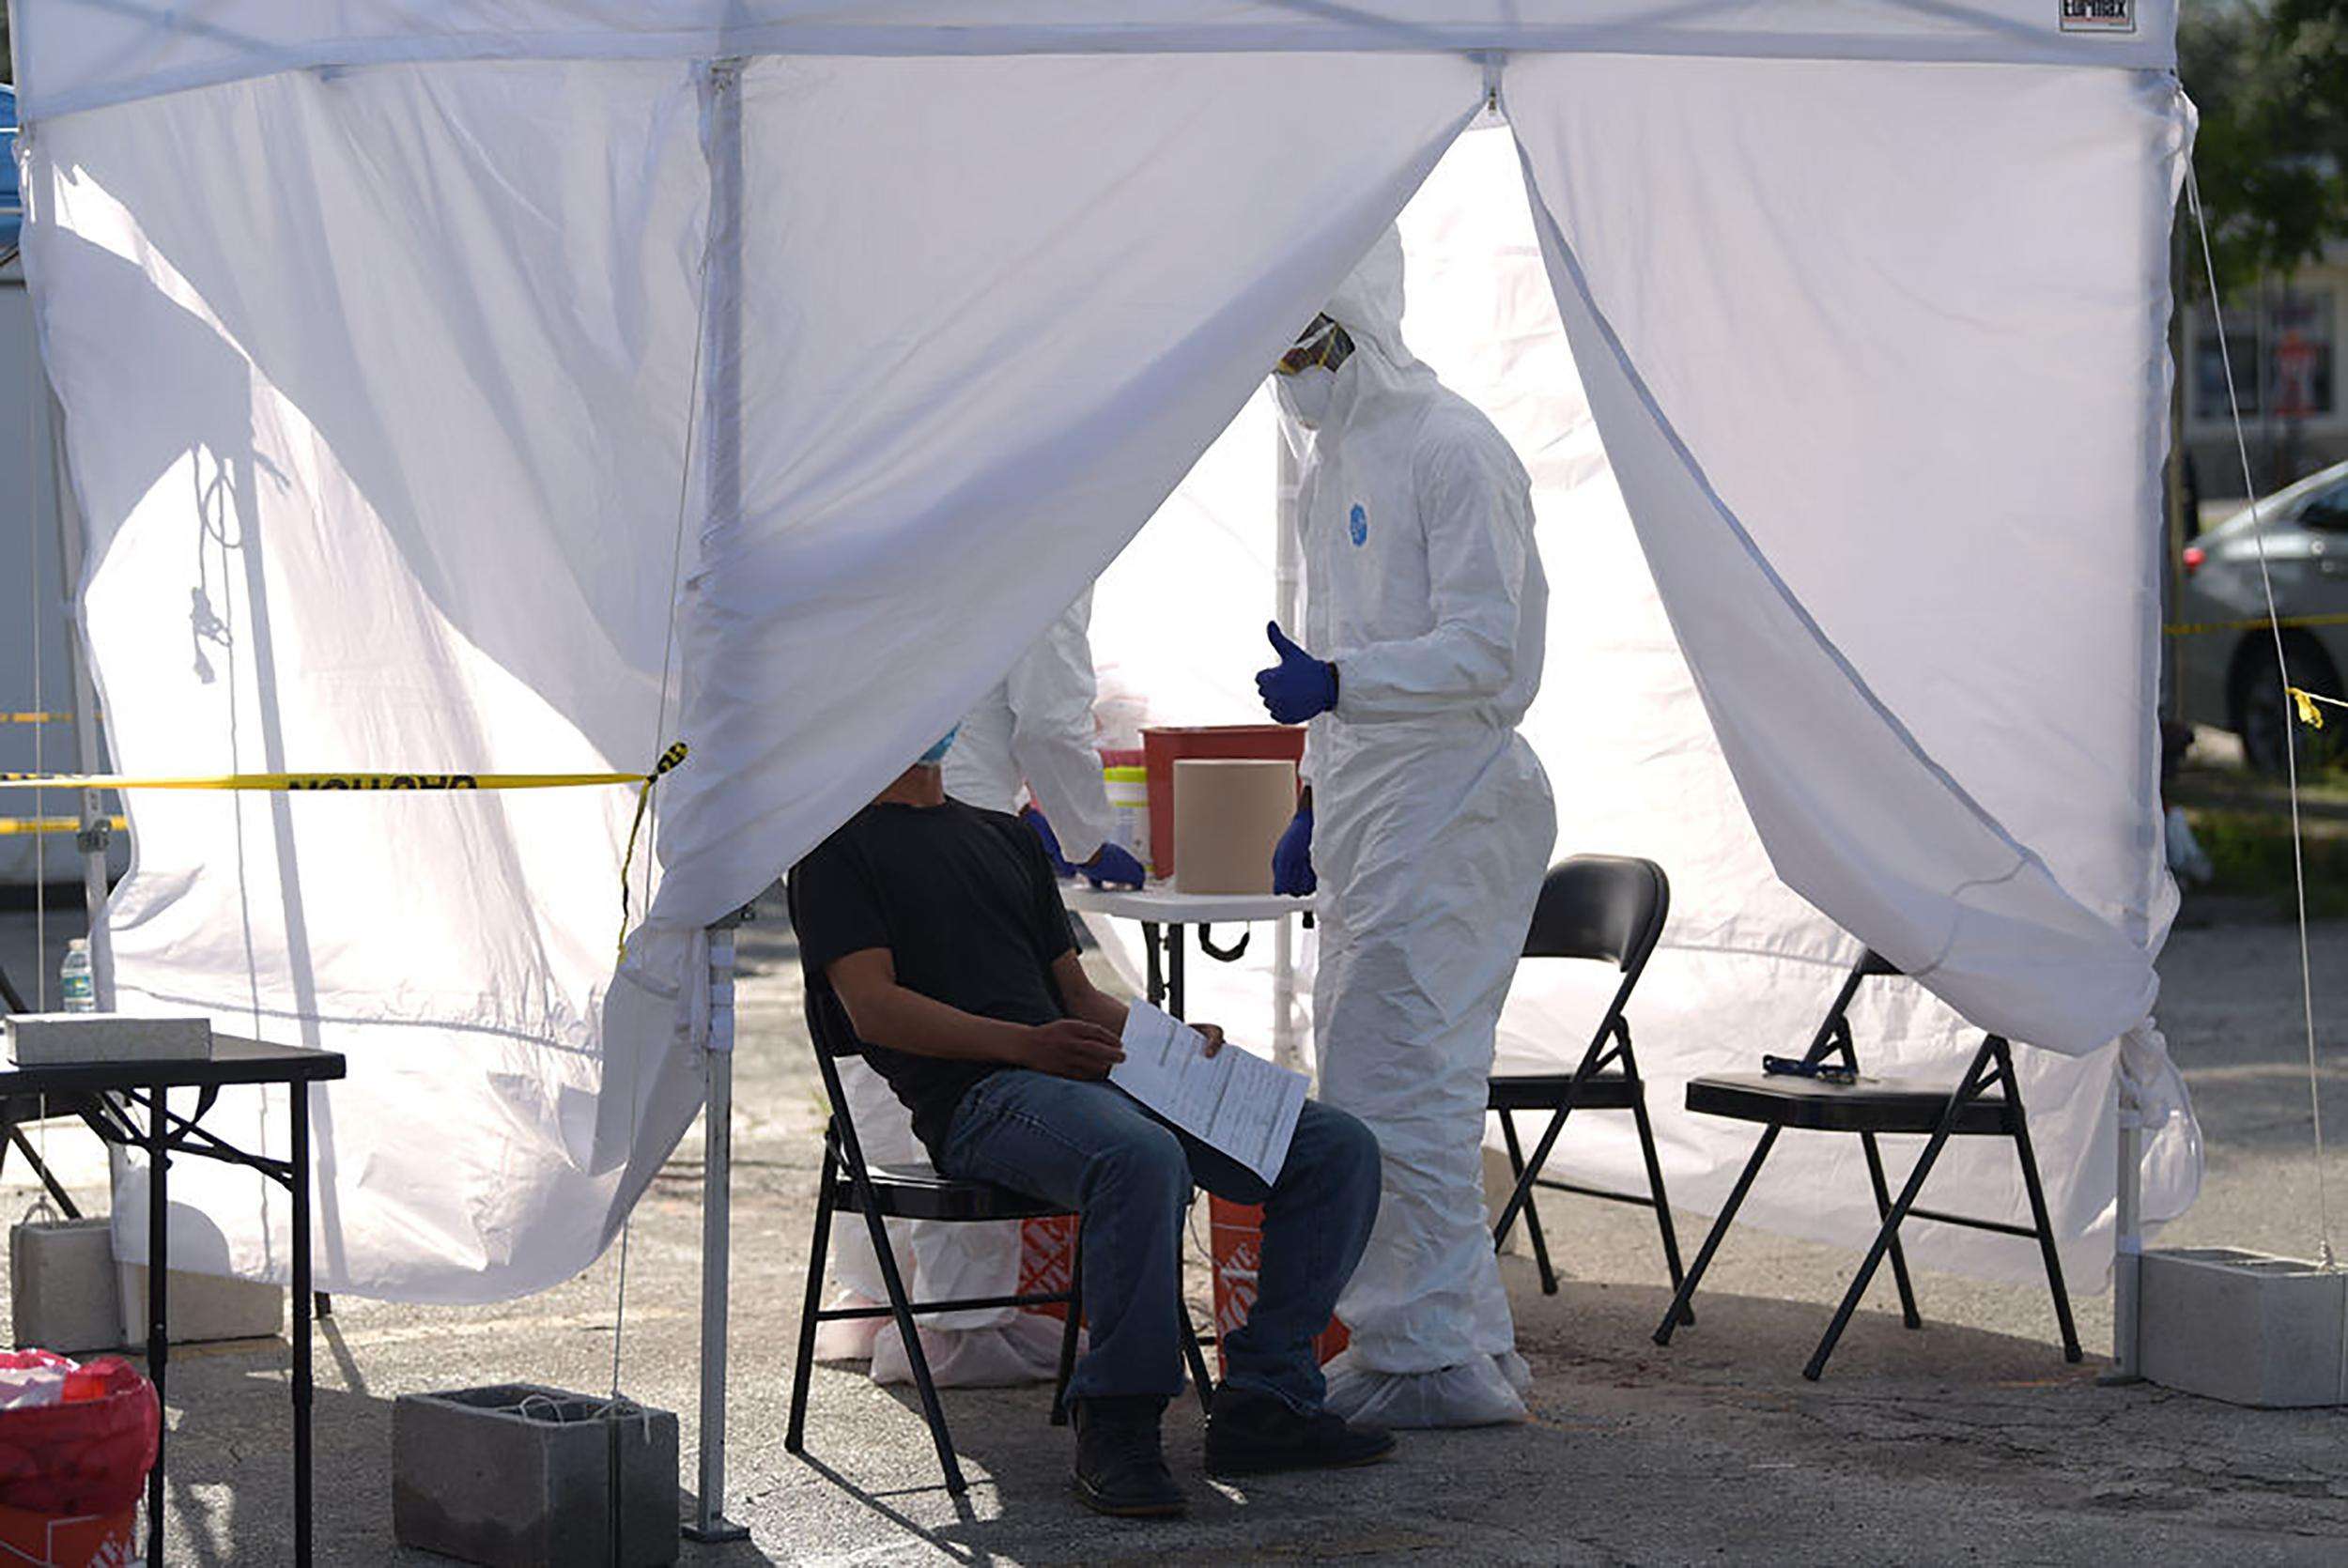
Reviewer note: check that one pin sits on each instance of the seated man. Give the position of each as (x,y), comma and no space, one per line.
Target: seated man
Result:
(940,928)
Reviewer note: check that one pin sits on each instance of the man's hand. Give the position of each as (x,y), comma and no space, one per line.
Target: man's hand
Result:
(1070,1047)
(1215,1037)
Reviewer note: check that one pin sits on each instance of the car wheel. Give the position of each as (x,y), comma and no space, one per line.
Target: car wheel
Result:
(2268,718)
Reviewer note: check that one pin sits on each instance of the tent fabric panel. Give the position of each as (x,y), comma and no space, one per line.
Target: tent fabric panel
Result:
(1747,965)
(1766,482)
(1936,423)
(414,451)
(985,414)
(75,55)
(383,471)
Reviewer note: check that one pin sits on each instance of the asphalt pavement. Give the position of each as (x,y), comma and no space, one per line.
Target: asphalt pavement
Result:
(1969,1441)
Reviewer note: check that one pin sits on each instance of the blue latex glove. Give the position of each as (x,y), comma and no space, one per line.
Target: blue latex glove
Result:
(1299,686)
(1292,858)
(1115,867)
(1042,830)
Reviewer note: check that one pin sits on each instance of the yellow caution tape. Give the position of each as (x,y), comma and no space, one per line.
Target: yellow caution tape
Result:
(2258,624)
(36,718)
(297,781)
(2310,714)
(300,781)
(669,759)
(12,827)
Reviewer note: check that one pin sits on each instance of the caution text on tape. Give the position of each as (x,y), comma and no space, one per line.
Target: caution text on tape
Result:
(2259,623)
(302,782)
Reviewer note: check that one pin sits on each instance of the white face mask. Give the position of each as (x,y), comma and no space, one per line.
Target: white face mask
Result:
(1305,397)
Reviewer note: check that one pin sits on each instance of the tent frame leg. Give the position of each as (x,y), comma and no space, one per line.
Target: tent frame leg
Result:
(54,496)
(709,1521)
(2127,1242)
(721,93)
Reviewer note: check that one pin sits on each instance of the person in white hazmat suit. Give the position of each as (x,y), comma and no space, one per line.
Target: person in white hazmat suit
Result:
(1428,821)
(1036,727)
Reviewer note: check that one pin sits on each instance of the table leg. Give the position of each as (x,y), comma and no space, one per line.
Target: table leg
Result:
(299,1093)
(1154,989)
(158,1330)
(1174,943)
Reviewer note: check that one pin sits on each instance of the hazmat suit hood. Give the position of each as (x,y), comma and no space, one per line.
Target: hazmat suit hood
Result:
(1369,305)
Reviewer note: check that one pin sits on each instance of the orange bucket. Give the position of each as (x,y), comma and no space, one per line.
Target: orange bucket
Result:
(1048,1260)
(1235,1237)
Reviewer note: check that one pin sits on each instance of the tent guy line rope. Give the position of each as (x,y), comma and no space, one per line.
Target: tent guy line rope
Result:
(2291,746)
(34,458)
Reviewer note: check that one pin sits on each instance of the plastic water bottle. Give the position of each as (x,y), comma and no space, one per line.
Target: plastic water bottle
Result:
(73,978)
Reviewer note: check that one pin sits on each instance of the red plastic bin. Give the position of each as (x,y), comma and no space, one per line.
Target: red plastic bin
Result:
(1161,748)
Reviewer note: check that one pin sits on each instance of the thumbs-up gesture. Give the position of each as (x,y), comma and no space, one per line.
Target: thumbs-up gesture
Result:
(1299,686)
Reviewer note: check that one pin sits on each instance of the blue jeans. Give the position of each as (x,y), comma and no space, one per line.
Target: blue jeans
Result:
(1091,1146)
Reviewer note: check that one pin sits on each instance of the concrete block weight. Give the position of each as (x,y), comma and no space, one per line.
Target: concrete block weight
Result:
(2243,1327)
(204,1307)
(518,1476)
(63,1290)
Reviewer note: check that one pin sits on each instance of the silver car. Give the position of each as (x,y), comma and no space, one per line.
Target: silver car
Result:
(2225,664)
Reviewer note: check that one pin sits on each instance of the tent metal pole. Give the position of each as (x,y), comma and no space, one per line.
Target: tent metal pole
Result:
(721,416)
(709,1521)
(2126,1246)
(55,493)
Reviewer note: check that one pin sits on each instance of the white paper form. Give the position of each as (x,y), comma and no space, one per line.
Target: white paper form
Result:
(1237,1101)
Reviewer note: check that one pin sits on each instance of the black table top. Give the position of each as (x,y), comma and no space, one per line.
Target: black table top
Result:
(234,1060)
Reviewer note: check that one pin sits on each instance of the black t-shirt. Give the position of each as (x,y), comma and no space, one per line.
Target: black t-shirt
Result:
(969,909)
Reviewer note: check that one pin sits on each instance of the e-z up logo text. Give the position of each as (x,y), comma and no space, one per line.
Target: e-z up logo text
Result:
(2098,16)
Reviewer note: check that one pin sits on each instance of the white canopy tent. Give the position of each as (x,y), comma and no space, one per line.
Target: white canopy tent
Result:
(1633,759)
(519,388)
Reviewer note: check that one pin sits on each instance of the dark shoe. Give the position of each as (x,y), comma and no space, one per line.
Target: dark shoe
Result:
(1251,1433)
(1120,1467)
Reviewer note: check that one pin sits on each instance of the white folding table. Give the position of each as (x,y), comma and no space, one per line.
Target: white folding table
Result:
(1163,914)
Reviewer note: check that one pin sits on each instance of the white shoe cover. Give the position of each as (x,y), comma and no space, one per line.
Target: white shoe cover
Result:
(1024,1350)
(847,1339)
(1486,1391)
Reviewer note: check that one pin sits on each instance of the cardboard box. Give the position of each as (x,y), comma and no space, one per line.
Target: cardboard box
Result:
(1228,815)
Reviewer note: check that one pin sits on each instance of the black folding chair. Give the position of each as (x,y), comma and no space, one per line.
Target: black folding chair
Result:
(1986,1102)
(882,1192)
(1611,910)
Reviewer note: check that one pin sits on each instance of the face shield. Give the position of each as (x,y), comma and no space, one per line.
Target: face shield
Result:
(1306,379)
